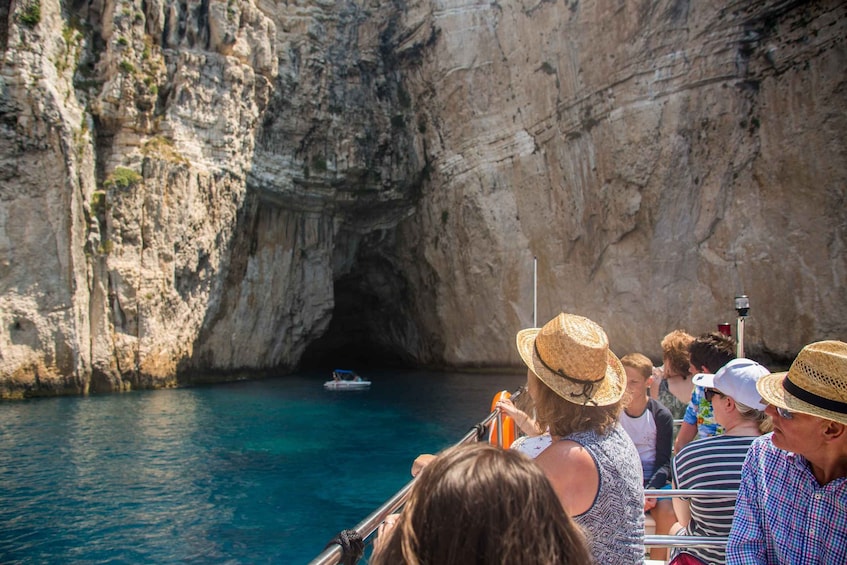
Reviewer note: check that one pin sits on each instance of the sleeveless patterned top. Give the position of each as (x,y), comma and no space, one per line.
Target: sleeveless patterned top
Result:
(614,525)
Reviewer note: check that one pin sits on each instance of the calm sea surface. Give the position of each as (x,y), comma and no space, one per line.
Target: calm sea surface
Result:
(251,472)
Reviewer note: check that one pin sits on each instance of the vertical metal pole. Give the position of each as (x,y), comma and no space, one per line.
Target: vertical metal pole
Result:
(535,292)
(742,306)
(500,428)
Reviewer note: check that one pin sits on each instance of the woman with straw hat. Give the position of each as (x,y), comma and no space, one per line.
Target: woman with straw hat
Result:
(792,502)
(577,383)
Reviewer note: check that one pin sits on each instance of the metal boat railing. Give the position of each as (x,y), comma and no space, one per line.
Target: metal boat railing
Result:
(658,540)
(655,540)
(691,492)
(334,554)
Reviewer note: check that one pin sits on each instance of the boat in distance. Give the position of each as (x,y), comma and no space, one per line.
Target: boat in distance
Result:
(343,379)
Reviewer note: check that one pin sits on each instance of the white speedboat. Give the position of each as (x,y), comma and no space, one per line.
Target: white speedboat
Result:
(343,379)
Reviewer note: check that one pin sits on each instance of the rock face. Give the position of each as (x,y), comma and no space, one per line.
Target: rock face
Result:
(190,190)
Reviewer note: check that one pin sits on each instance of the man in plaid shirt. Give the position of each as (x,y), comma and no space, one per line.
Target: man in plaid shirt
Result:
(792,503)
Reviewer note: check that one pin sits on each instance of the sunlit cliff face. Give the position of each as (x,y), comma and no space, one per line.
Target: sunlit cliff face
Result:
(194,189)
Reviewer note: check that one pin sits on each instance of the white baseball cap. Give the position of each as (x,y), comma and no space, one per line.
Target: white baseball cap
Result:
(737,379)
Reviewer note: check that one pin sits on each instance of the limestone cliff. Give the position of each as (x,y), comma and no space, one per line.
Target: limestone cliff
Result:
(199,188)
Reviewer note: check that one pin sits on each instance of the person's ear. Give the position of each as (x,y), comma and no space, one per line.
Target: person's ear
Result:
(834,430)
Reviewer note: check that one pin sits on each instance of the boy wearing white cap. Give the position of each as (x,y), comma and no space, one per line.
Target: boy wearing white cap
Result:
(792,503)
(715,462)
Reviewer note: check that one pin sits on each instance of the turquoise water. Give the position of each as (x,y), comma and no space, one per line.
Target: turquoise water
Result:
(250,472)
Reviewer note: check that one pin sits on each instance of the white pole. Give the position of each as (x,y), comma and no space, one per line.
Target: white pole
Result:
(742,306)
(535,292)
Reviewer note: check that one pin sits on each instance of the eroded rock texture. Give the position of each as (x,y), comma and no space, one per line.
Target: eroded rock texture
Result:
(199,188)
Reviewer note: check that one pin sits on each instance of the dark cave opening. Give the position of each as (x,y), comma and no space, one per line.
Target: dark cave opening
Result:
(345,346)
(362,333)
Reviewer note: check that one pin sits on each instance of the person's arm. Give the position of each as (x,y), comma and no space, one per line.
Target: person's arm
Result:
(527,424)
(688,429)
(664,444)
(385,530)
(687,432)
(571,470)
(656,384)
(682,509)
(746,543)
(422,461)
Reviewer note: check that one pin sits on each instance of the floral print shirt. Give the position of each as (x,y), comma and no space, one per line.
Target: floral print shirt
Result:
(699,412)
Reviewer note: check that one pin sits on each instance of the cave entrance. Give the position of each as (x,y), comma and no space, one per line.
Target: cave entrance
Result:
(363,331)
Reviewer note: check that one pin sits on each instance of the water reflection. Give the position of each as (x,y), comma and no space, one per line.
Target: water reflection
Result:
(251,472)
(132,458)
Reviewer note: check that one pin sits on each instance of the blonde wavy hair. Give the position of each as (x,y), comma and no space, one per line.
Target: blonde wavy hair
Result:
(763,421)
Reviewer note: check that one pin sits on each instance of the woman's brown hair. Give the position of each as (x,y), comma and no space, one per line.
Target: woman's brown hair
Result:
(675,352)
(481,504)
(563,417)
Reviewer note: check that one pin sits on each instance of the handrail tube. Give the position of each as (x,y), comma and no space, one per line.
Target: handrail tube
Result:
(656,540)
(367,526)
(691,492)
(332,554)
(685,541)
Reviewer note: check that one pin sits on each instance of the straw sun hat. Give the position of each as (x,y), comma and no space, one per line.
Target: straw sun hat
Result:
(571,355)
(815,384)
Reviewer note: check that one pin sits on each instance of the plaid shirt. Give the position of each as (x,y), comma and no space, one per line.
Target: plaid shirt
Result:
(783,516)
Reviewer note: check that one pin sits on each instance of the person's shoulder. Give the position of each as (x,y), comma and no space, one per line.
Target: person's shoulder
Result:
(565,450)
(693,446)
(769,459)
(724,439)
(763,442)
(657,407)
(710,443)
(763,446)
(532,445)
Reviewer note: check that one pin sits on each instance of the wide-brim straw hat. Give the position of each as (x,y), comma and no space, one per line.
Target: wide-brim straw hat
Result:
(815,384)
(571,355)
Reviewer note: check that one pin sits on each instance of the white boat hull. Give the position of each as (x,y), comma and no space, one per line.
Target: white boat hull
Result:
(346,385)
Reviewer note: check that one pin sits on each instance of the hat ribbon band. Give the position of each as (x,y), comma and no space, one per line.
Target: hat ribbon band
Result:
(561,373)
(587,384)
(814,399)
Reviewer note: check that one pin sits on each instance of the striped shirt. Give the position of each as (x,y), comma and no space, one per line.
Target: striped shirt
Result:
(784,515)
(711,463)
